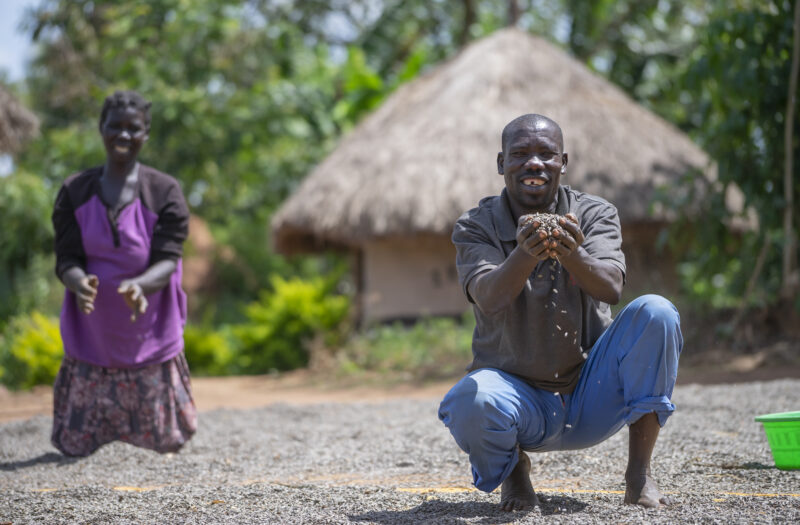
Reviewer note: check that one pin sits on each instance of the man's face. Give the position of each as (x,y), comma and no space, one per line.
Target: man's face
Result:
(124,133)
(532,164)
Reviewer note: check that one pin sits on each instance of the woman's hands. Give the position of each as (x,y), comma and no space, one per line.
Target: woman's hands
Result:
(86,293)
(83,285)
(134,297)
(133,291)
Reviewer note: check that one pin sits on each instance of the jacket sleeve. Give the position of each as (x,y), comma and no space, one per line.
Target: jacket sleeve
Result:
(68,239)
(172,227)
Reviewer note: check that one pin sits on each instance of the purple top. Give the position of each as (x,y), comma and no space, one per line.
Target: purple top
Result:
(149,229)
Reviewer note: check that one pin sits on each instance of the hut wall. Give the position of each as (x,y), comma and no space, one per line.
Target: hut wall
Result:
(412,277)
(409,278)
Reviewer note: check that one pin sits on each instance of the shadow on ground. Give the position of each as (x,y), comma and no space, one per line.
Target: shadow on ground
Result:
(434,510)
(49,457)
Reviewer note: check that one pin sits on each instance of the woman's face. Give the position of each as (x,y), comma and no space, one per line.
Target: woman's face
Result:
(124,133)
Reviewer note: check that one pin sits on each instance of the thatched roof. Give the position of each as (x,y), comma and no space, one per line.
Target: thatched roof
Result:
(429,152)
(17,124)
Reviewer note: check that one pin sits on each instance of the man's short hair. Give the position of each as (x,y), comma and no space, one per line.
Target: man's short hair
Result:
(529,120)
(124,99)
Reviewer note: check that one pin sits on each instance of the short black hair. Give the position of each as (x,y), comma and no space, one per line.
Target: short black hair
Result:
(529,120)
(123,99)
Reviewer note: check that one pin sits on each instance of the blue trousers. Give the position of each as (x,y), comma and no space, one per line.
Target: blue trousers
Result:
(630,372)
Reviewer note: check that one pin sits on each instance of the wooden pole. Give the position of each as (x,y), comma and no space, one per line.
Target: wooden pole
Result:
(790,279)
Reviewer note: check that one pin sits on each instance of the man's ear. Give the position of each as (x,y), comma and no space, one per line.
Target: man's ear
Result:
(564,160)
(500,169)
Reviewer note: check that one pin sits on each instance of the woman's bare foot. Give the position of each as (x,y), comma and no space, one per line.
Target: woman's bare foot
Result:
(641,489)
(516,492)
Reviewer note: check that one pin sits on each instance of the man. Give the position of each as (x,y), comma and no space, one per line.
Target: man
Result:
(551,370)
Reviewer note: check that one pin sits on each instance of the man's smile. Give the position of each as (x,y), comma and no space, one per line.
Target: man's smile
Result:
(534,180)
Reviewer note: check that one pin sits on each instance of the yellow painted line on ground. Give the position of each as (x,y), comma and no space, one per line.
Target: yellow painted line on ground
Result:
(428,490)
(453,490)
(124,488)
(44,490)
(761,495)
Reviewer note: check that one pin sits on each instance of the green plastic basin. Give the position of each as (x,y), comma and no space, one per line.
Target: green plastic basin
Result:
(783,434)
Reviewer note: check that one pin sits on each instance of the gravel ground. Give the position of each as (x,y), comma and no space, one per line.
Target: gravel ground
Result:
(393,462)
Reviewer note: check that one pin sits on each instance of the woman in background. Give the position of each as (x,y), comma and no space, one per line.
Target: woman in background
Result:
(119,231)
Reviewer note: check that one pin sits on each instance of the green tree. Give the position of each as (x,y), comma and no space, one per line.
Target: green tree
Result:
(731,96)
(26,263)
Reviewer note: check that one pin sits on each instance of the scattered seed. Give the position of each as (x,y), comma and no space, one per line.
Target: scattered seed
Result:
(556,374)
(566,334)
(555,291)
(558,328)
(552,278)
(563,311)
(568,425)
(585,355)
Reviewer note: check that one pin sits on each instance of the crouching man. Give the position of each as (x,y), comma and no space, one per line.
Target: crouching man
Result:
(551,369)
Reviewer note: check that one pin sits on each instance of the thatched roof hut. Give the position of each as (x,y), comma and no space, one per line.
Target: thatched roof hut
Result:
(17,124)
(429,152)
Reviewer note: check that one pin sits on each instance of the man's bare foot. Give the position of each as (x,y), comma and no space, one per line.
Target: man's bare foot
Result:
(641,489)
(516,492)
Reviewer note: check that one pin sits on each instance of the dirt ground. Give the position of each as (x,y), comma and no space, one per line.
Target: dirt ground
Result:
(304,387)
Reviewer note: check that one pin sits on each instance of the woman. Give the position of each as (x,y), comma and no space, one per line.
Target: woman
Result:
(120,229)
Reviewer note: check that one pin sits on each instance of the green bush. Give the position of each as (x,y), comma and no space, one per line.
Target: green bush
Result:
(27,280)
(30,351)
(209,352)
(430,349)
(282,323)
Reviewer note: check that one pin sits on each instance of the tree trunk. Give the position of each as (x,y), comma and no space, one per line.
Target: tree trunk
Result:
(469,19)
(790,278)
(513,13)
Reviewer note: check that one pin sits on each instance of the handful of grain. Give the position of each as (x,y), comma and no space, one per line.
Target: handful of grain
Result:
(548,222)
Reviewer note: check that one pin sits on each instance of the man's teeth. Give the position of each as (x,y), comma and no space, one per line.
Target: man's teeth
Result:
(533,182)
(121,149)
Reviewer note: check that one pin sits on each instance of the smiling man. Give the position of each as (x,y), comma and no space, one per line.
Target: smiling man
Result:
(551,370)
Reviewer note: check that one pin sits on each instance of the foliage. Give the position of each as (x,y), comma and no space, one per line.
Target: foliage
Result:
(249,95)
(209,351)
(732,98)
(282,323)
(26,262)
(30,351)
(430,349)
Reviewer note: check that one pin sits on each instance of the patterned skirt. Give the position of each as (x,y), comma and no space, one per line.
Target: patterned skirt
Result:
(150,407)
